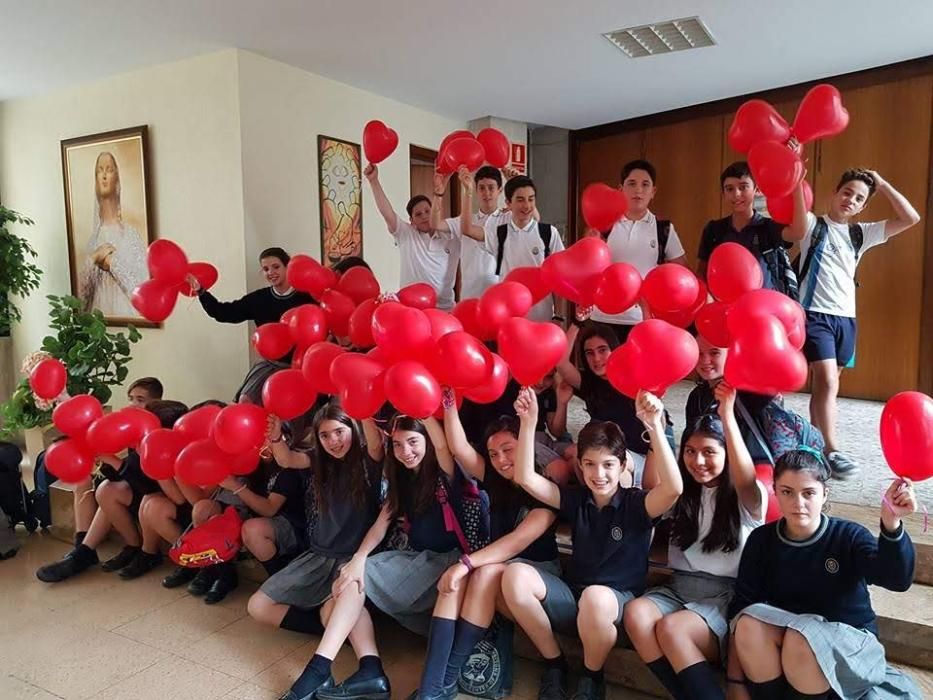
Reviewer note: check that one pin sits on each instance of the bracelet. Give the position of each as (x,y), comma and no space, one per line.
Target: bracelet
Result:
(465,560)
(280,438)
(239,489)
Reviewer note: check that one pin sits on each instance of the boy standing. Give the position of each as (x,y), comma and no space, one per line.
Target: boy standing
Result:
(831,247)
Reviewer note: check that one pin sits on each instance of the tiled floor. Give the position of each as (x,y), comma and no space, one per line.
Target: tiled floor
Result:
(96,636)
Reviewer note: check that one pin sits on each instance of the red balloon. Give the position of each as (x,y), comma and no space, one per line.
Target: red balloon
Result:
(574,273)
(711,324)
(670,287)
(273,340)
(112,433)
(765,474)
(419,295)
(466,152)
(602,206)
(467,312)
(240,427)
(338,308)
(287,395)
(761,302)
(453,136)
(442,323)
(402,332)
(776,168)
(206,275)
(159,451)
(621,369)
(315,367)
(756,121)
(781,209)
(298,357)
(618,289)
(306,274)
(763,361)
(463,362)
(379,141)
(244,463)
(197,424)
(412,389)
(167,262)
(531,349)
(441,165)
(202,463)
(531,278)
(820,114)
(683,318)
(907,435)
(359,284)
(48,378)
(501,302)
(361,324)
(494,385)
(666,354)
(497,147)
(732,271)
(141,422)
(360,382)
(71,460)
(154,300)
(306,325)
(74,416)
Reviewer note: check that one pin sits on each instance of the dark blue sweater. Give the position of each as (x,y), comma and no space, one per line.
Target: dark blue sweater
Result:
(827,574)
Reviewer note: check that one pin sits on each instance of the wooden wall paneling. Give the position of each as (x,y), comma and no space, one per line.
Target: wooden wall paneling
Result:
(889,131)
(925,378)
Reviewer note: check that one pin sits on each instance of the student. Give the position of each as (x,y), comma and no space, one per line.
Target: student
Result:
(119,497)
(804,626)
(427,255)
(640,239)
(611,533)
(831,246)
(761,236)
(522,241)
(680,629)
(143,391)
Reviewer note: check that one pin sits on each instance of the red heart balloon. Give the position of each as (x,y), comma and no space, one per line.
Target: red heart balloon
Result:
(820,114)
(359,284)
(532,279)
(501,302)
(732,271)
(71,460)
(620,369)
(202,464)
(419,295)
(494,385)
(197,424)
(466,152)
(531,349)
(315,367)
(158,453)
(402,332)
(338,308)
(781,209)
(74,416)
(360,380)
(48,379)
(907,435)
(574,273)
(442,323)
(112,433)
(240,427)
(273,340)
(670,287)
(306,324)
(306,274)
(361,325)
(462,361)
(141,423)
(762,302)
(602,206)
(453,136)
(244,463)
(756,121)
(287,395)
(154,300)
(763,361)
(412,389)
(467,312)
(765,474)
(775,168)
(711,324)
(379,141)
(497,147)
(167,262)
(206,275)
(618,289)
(666,354)
(683,318)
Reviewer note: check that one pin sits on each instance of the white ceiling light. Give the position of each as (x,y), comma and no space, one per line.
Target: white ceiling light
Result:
(662,37)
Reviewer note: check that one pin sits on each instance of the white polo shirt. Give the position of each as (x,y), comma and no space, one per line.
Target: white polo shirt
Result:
(428,257)
(523,248)
(636,243)
(477,266)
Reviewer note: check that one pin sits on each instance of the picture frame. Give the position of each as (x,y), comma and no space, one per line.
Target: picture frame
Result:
(340,197)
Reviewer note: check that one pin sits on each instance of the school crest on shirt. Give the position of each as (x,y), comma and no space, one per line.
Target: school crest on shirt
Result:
(653,243)
(831,565)
(616,534)
(535,250)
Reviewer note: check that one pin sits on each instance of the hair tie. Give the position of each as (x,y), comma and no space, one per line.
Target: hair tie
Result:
(816,453)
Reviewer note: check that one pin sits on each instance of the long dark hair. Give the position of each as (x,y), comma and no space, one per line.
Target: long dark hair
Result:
(325,468)
(725,529)
(410,492)
(503,494)
(591,330)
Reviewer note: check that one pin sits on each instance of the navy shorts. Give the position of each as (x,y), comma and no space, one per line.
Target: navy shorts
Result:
(830,338)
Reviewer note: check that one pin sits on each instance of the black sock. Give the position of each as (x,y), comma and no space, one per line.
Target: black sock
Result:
(559,662)
(795,694)
(699,682)
(79,537)
(370,668)
(304,620)
(440,643)
(597,676)
(316,672)
(465,639)
(274,565)
(769,690)
(664,672)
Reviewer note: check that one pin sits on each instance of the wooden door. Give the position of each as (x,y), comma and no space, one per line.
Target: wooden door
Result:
(601,160)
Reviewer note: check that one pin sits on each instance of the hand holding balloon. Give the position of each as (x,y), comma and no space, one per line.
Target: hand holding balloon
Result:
(899,500)
(650,411)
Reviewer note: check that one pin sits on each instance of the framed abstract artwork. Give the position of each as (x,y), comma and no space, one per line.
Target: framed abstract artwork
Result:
(341,199)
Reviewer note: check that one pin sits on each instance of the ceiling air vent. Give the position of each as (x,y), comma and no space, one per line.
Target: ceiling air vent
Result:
(663,37)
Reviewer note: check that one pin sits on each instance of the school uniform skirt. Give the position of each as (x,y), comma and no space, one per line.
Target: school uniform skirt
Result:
(306,582)
(707,596)
(851,659)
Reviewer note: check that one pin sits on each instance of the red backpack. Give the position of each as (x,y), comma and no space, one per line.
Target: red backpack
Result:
(214,542)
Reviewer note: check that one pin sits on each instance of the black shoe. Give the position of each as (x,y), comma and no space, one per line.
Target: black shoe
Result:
(76,561)
(553,685)
(126,555)
(588,689)
(142,563)
(841,466)
(203,581)
(225,583)
(292,695)
(179,577)
(371,689)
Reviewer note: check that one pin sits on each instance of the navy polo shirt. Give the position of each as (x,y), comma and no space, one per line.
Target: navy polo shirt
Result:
(508,506)
(339,531)
(610,544)
(428,531)
(769,235)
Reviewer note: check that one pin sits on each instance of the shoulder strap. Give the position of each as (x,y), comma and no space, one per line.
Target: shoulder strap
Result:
(544,232)
(819,234)
(664,233)
(753,426)
(857,238)
(451,524)
(502,233)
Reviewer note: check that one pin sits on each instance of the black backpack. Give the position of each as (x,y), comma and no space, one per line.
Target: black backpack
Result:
(664,233)
(14,498)
(775,259)
(502,232)
(856,240)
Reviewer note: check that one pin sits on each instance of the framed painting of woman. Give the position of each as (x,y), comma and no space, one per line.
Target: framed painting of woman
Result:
(341,197)
(109,222)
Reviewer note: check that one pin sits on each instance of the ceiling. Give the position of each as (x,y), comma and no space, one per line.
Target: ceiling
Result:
(537,61)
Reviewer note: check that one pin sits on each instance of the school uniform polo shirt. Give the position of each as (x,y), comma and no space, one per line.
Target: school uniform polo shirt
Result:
(610,544)
(428,257)
(339,531)
(477,265)
(523,248)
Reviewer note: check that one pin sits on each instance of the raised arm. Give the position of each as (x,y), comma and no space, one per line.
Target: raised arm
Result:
(285,457)
(741,466)
(889,561)
(467,186)
(445,459)
(437,203)
(546,491)
(375,440)
(797,230)
(557,421)
(660,498)
(463,451)
(224,311)
(566,368)
(382,202)
(905,215)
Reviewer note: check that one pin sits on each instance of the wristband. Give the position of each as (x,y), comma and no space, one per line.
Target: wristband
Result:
(465,560)
(239,489)
(280,438)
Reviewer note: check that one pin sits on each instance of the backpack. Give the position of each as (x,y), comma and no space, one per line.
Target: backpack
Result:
(664,233)
(502,232)
(15,500)
(778,430)
(214,542)
(487,672)
(818,239)
(473,534)
(774,260)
